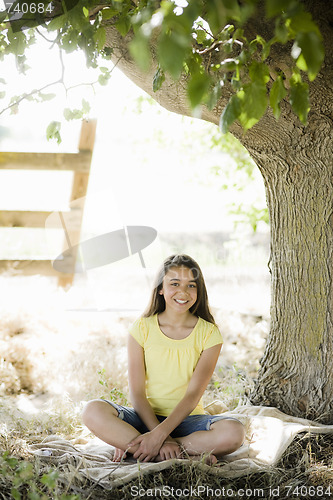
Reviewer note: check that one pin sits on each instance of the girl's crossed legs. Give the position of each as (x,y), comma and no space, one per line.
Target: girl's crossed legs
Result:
(197,434)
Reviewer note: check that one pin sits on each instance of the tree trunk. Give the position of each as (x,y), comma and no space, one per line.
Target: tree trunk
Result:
(296,163)
(296,372)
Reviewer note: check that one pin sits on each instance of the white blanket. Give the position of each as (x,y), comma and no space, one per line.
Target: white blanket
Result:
(268,433)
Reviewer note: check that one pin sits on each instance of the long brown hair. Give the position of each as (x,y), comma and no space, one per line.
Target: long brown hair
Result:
(157,301)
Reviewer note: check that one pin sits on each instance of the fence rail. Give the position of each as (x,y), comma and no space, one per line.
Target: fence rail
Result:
(79,163)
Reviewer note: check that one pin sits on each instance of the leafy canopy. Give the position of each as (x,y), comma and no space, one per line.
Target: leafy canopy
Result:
(201,41)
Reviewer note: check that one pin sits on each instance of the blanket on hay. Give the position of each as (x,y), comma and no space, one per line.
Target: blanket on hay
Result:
(268,434)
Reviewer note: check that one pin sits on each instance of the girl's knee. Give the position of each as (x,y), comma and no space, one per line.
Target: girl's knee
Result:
(88,413)
(94,410)
(237,434)
(231,434)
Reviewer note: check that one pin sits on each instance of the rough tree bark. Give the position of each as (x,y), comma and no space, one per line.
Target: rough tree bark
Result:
(296,163)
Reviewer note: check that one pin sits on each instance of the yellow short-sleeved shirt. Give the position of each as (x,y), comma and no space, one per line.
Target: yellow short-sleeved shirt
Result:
(170,363)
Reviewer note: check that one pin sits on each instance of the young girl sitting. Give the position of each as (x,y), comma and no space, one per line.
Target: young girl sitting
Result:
(172,352)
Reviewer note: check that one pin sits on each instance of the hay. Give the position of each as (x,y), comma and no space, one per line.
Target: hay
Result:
(46,349)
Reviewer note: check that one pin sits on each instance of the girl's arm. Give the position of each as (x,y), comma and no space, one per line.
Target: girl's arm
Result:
(197,385)
(137,383)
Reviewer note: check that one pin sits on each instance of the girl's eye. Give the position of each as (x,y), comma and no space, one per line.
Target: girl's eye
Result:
(192,286)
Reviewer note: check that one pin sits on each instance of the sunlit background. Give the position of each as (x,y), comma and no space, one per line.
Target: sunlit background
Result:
(150,168)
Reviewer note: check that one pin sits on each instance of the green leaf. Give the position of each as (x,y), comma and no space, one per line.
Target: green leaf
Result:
(33,495)
(259,72)
(107,53)
(108,13)
(57,23)
(220,12)
(158,80)
(230,113)
(46,97)
(246,11)
(296,77)
(15,494)
(53,131)
(253,100)
(266,46)
(100,37)
(85,107)
(312,53)
(11,461)
(139,49)
(233,9)
(172,49)
(213,96)
(50,479)
(103,79)
(123,25)
(216,16)
(243,57)
(18,42)
(70,114)
(201,36)
(278,92)
(197,88)
(78,19)
(299,99)
(69,41)
(76,114)
(3,16)
(281,32)
(302,23)
(276,7)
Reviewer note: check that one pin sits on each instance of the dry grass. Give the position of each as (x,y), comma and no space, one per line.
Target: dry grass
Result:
(47,349)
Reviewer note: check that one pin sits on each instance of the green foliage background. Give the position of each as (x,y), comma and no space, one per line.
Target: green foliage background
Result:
(202,41)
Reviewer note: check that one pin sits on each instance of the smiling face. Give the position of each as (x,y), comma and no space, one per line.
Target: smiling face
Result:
(179,289)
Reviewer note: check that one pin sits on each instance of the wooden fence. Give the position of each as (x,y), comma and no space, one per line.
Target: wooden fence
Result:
(79,163)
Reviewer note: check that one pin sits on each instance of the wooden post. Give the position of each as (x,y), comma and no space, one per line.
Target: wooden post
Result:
(77,199)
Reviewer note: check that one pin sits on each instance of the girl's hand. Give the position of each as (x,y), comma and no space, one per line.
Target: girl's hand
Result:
(149,446)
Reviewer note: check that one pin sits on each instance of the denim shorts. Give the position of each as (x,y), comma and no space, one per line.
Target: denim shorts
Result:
(190,424)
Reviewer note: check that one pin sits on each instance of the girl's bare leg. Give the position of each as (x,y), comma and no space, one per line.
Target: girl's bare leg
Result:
(102,420)
(223,437)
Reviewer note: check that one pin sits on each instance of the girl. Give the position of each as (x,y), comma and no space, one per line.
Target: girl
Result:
(172,352)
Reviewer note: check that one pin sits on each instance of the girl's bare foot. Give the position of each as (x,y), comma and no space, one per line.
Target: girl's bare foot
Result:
(207,459)
(119,455)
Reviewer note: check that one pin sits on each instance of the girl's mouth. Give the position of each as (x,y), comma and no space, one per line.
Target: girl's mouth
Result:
(179,301)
